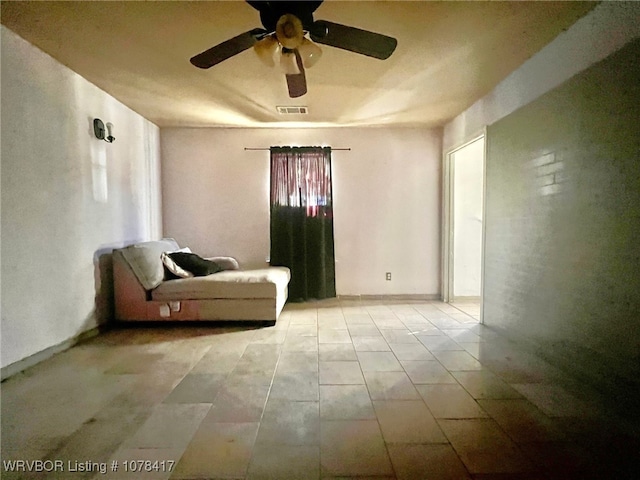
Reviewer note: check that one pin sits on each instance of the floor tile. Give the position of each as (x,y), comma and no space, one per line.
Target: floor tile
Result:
(288,422)
(484,448)
(332,352)
(239,403)
(138,362)
(522,420)
(371,344)
(271,462)
(472,348)
(411,351)
(457,360)
(433,461)
(484,384)
(242,401)
(299,343)
(435,343)
(269,336)
(169,426)
(424,371)
(407,421)
(399,336)
(254,367)
(340,373)
(291,362)
(217,362)
(359,319)
(333,335)
(261,353)
(390,322)
(462,335)
(301,386)
(303,330)
(446,322)
(425,329)
(197,388)
(366,330)
(218,450)
(379,362)
(450,401)
(345,402)
(102,434)
(304,318)
(390,386)
(331,323)
(353,448)
(554,400)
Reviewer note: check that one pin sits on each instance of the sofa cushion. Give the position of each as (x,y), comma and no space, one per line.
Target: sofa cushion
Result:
(194,263)
(145,260)
(263,283)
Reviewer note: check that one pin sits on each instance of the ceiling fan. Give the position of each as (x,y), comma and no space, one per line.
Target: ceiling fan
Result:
(288,37)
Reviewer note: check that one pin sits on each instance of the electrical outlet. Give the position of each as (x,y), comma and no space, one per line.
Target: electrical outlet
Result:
(388,276)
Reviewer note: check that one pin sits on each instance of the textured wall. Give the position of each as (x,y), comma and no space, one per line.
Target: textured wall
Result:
(563,224)
(67,198)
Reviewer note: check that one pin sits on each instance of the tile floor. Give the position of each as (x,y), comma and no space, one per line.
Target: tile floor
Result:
(336,389)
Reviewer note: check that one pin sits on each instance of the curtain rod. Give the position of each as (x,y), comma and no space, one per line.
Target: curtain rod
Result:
(267,149)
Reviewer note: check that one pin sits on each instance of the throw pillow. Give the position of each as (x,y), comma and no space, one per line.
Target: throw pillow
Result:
(195,264)
(173,270)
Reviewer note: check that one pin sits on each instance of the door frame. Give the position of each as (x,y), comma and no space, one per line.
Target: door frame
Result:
(448,170)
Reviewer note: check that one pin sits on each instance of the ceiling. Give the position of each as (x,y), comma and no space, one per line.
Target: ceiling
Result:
(449,55)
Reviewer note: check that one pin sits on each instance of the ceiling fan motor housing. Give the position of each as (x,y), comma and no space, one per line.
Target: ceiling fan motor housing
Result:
(289,31)
(270,12)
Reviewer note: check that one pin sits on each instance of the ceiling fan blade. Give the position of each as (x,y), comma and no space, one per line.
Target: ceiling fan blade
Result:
(297,84)
(353,39)
(227,49)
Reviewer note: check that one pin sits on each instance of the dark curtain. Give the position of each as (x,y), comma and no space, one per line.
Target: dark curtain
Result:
(302,220)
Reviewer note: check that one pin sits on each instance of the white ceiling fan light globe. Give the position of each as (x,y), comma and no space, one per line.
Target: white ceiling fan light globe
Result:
(289,31)
(289,64)
(310,53)
(267,50)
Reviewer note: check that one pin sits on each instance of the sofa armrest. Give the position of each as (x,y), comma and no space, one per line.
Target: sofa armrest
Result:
(227,263)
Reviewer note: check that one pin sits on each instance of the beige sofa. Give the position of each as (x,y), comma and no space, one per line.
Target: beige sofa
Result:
(143,290)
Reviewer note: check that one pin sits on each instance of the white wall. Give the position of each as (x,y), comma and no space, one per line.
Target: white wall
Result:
(468,173)
(386,200)
(598,34)
(67,198)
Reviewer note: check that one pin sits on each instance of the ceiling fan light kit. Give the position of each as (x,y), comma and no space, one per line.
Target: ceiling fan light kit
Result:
(267,49)
(288,63)
(288,40)
(310,52)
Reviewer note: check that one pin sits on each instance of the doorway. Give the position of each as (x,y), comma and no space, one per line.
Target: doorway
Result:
(464,226)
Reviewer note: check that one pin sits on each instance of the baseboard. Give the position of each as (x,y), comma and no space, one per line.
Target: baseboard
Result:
(465,299)
(30,361)
(423,297)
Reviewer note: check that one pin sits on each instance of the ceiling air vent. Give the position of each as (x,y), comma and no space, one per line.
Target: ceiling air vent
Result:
(292,110)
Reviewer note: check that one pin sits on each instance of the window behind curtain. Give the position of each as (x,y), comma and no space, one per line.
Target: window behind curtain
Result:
(301,177)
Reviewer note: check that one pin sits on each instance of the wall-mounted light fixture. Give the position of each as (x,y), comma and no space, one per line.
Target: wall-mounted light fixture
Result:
(99,131)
